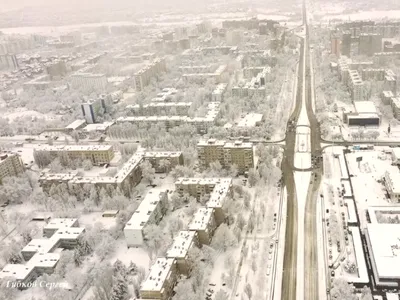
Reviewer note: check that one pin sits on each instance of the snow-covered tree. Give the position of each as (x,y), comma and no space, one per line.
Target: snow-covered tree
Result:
(120,289)
(148,171)
(223,238)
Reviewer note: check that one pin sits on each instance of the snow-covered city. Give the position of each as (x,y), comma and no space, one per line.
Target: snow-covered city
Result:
(200,150)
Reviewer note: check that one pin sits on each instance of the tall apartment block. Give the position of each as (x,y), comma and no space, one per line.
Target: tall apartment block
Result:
(10,165)
(227,154)
(92,108)
(143,77)
(345,47)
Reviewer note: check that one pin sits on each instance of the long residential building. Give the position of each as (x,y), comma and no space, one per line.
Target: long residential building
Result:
(10,165)
(98,154)
(91,81)
(202,124)
(227,154)
(143,77)
(150,211)
(255,86)
(127,176)
(203,222)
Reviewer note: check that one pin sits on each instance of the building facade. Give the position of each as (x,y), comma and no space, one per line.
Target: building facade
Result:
(10,165)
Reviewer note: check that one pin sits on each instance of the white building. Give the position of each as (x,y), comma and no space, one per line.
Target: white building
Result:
(161,280)
(150,211)
(42,255)
(203,222)
(183,242)
(383,242)
(90,81)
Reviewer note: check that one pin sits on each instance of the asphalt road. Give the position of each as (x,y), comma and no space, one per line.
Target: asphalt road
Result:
(311,276)
(289,278)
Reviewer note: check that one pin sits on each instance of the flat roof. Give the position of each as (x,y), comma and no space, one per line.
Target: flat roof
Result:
(250,120)
(73,148)
(351,211)
(219,194)
(365,107)
(59,223)
(98,127)
(181,244)
(360,258)
(201,219)
(40,245)
(238,145)
(211,142)
(372,210)
(159,272)
(17,271)
(145,210)
(75,124)
(385,249)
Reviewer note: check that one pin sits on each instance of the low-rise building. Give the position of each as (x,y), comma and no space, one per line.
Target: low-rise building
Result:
(218,93)
(150,211)
(203,222)
(183,242)
(161,280)
(40,255)
(10,165)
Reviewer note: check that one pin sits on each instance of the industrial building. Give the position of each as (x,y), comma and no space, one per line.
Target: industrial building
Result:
(364,113)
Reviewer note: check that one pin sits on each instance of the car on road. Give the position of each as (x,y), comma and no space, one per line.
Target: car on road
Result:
(333,273)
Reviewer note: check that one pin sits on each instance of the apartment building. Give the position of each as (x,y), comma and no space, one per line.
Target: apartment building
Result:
(202,124)
(161,108)
(97,154)
(210,151)
(198,187)
(202,77)
(143,77)
(93,108)
(183,242)
(203,222)
(161,280)
(256,86)
(240,154)
(10,165)
(356,86)
(166,95)
(218,93)
(217,199)
(163,162)
(227,154)
(42,255)
(150,211)
(90,81)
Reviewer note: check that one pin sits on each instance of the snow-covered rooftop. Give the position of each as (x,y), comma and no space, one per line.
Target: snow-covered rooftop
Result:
(145,210)
(365,107)
(250,120)
(60,223)
(159,273)
(181,244)
(385,249)
(201,219)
